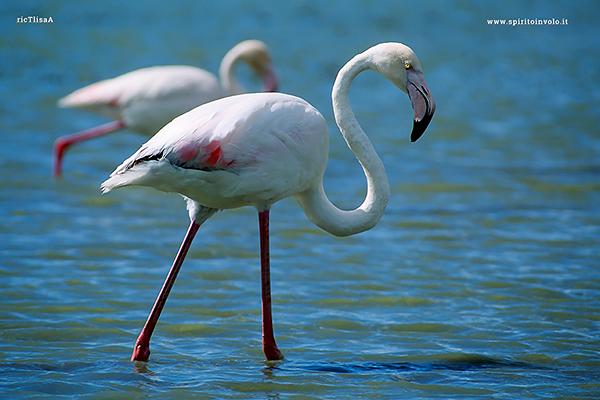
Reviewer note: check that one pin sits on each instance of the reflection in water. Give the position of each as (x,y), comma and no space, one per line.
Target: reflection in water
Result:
(457,362)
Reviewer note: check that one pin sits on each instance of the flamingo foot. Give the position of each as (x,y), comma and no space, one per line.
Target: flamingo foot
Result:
(272,353)
(141,351)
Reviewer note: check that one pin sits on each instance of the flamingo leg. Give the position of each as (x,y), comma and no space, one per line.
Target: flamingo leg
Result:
(141,351)
(269,346)
(64,142)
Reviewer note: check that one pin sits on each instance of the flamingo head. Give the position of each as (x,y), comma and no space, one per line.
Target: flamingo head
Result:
(256,54)
(399,64)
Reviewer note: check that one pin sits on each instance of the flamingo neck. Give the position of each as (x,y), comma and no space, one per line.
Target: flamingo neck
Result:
(227,73)
(314,201)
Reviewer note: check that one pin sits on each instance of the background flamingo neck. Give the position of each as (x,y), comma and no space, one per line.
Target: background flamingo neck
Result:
(314,201)
(227,73)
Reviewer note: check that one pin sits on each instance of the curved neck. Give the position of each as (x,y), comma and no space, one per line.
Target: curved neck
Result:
(227,73)
(314,201)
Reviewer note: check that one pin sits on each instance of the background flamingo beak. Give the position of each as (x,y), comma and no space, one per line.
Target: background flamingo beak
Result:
(269,78)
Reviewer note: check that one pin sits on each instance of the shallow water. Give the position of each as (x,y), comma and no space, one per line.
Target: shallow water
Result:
(480,281)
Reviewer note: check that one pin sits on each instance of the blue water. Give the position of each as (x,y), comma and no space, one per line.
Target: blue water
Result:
(481,280)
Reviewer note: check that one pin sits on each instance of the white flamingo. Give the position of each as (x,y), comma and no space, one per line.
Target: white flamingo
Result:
(256,149)
(147,99)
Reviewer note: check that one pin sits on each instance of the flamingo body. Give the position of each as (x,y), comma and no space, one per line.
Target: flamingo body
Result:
(245,150)
(147,99)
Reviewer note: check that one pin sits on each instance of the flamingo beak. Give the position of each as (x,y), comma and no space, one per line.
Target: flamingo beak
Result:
(422,102)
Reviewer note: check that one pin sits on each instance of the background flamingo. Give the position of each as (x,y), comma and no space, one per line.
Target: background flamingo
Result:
(147,99)
(256,149)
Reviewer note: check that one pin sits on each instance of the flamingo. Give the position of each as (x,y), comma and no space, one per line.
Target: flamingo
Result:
(147,99)
(256,149)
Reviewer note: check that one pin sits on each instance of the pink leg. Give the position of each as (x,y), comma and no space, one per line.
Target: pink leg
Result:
(269,345)
(64,142)
(141,351)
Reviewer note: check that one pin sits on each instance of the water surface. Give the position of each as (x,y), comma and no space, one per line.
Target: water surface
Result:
(480,281)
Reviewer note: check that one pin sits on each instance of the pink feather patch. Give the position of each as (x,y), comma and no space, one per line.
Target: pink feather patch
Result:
(187,152)
(213,157)
(209,156)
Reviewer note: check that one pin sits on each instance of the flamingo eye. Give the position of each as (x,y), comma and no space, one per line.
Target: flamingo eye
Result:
(406,64)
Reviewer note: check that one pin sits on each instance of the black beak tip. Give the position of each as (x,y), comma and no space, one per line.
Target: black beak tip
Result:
(418,130)
(419,127)
(416,133)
